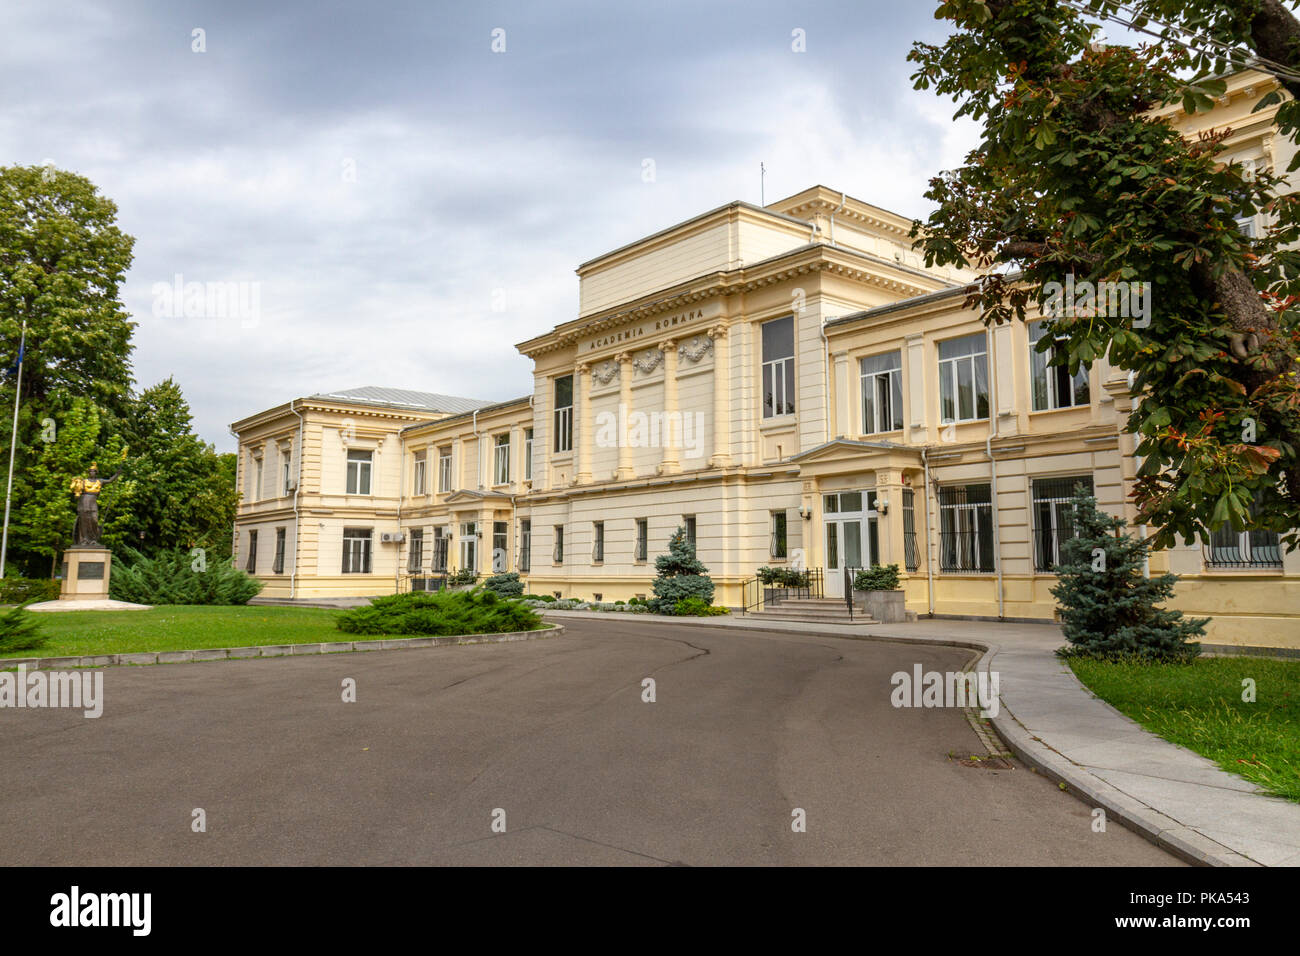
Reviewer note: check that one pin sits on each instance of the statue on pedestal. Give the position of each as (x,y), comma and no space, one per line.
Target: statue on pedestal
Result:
(86,532)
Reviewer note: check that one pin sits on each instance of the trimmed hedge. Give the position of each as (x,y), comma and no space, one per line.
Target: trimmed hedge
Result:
(882,577)
(440,613)
(27,590)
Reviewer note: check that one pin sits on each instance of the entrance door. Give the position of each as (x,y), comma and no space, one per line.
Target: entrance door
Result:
(852,540)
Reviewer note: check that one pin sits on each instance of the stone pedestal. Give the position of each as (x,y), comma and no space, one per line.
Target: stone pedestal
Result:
(85,574)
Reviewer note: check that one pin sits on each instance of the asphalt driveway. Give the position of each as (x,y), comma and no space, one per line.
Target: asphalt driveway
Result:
(550,738)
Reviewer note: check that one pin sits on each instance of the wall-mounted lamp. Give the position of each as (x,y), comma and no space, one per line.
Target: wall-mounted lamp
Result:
(805,513)
(882,506)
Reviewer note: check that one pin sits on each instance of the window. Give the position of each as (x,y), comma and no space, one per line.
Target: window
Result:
(528,454)
(557,553)
(964,379)
(415,558)
(1053,385)
(688,522)
(500,546)
(286,477)
(439,557)
(421,466)
(1246,226)
(359,465)
(598,541)
(501,460)
(277,566)
(910,553)
(778,546)
(564,413)
(1054,518)
(642,539)
(525,544)
(251,564)
(257,478)
(444,468)
(965,528)
(1230,548)
(778,367)
(356,550)
(882,393)
(469,546)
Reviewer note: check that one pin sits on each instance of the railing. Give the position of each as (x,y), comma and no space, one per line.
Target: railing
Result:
(848,589)
(1260,549)
(756,594)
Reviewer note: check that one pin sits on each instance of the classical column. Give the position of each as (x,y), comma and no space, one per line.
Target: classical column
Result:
(721,399)
(625,470)
(583,409)
(669,464)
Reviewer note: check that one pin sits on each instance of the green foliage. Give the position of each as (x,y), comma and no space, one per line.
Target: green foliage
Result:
(462,578)
(505,585)
(1074,176)
(1109,610)
(548,598)
(440,613)
(20,630)
(882,577)
(695,607)
(783,577)
(178,577)
(16,590)
(681,576)
(183,492)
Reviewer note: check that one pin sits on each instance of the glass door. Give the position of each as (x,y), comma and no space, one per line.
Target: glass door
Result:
(852,536)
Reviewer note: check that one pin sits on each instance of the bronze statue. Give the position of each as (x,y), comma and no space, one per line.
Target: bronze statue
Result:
(86,532)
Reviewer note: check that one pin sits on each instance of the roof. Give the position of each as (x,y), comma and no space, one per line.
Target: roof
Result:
(450,419)
(402,398)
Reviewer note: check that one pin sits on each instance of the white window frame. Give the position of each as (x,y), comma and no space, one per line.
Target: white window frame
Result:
(501,459)
(563,416)
(419,478)
(1039,369)
(948,372)
(778,375)
(444,470)
(873,423)
(528,454)
(358,544)
(355,487)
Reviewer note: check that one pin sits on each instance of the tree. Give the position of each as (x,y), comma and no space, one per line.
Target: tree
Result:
(184,492)
(681,576)
(45,510)
(1109,609)
(1073,176)
(62,263)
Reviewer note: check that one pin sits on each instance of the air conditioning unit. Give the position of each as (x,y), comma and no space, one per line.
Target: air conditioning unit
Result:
(393,537)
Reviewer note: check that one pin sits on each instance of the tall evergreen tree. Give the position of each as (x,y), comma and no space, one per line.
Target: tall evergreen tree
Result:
(1109,608)
(681,575)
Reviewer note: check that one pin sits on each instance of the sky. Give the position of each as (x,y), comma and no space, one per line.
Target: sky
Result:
(391,201)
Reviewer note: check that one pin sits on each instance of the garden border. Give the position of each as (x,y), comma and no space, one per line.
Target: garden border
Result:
(277,650)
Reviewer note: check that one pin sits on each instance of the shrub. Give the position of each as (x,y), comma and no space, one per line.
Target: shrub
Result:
(462,578)
(505,585)
(440,613)
(174,577)
(20,630)
(1109,609)
(694,607)
(681,576)
(783,577)
(14,590)
(882,577)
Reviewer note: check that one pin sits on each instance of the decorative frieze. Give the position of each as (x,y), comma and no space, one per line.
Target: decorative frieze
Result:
(648,361)
(696,348)
(605,373)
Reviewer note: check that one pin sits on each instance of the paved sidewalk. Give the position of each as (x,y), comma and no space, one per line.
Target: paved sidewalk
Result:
(1174,797)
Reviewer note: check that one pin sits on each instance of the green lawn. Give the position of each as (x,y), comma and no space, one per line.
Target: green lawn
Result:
(180,628)
(1199,706)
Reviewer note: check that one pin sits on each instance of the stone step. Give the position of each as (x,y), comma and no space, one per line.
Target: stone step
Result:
(812,617)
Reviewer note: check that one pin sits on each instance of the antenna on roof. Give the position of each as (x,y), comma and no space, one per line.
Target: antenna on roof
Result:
(762,196)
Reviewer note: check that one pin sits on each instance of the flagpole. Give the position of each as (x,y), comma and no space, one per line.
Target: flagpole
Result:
(13,444)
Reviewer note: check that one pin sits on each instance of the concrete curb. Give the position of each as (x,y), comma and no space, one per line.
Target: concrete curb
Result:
(1143,819)
(277,650)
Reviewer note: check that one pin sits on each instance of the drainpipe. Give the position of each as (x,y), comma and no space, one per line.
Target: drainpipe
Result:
(826,368)
(929,534)
(239,461)
(993,470)
(297,490)
(401,490)
(843,199)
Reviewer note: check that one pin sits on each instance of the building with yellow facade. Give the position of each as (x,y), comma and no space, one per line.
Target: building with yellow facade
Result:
(791,385)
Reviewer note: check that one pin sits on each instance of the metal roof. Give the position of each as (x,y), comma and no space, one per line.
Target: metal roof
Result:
(403,398)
